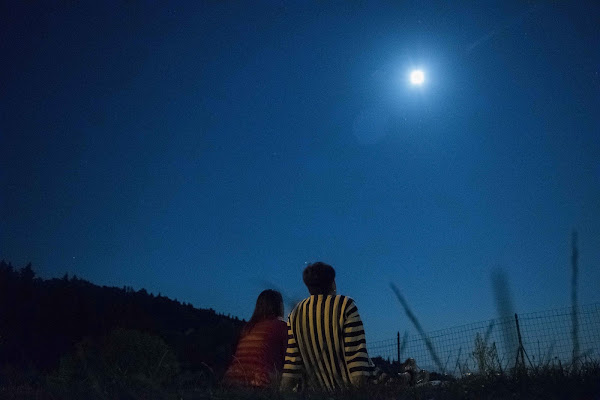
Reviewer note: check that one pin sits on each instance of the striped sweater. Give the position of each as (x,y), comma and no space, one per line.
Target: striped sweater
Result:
(326,344)
(259,355)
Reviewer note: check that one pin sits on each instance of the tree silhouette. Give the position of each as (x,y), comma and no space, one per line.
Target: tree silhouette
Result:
(42,320)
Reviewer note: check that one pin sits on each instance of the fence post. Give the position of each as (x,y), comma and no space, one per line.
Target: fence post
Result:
(398,345)
(520,350)
(574,321)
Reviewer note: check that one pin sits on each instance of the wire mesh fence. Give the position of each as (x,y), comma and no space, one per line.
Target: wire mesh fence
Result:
(387,349)
(532,340)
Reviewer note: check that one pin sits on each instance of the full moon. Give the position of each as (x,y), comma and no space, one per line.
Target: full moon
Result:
(417,77)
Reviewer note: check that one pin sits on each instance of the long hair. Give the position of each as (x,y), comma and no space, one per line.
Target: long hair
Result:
(268,305)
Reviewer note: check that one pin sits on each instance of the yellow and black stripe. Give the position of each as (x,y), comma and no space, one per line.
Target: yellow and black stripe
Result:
(326,343)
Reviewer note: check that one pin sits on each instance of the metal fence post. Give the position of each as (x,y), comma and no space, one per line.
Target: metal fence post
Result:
(520,351)
(574,321)
(398,345)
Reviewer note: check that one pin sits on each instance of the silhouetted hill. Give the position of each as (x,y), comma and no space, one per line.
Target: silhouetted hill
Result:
(41,320)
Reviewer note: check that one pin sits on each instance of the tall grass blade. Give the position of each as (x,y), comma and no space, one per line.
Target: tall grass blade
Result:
(549,352)
(574,321)
(506,311)
(419,328)
(458,361)
(448,359)
(488,332)
(403,344)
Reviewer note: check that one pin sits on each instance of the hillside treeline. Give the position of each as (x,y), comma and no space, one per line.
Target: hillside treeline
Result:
(42,320)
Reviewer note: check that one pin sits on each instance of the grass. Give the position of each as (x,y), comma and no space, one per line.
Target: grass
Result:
(413,318)
(574,274)
(581,379)
(542,383)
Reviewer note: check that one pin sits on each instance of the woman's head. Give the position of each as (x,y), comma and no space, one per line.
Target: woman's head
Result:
(269,305)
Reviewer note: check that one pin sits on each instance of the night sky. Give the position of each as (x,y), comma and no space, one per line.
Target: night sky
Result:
(209,150)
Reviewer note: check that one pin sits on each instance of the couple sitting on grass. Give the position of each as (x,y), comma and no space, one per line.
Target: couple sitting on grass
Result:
(322,346)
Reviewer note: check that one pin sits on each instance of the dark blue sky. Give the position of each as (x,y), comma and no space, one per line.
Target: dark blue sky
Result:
(209,150)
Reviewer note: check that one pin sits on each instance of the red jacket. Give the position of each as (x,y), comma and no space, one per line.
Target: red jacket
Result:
(259,355)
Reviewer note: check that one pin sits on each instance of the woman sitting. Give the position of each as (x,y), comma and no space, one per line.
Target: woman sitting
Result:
(258,359)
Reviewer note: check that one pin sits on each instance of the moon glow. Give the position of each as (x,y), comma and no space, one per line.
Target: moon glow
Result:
(417,77)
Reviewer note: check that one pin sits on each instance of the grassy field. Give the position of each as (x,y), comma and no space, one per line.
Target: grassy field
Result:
(581,382)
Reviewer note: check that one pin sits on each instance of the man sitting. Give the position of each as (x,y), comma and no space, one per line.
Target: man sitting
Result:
(326,340)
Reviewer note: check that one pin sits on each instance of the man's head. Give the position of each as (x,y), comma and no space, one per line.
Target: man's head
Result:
(319,278)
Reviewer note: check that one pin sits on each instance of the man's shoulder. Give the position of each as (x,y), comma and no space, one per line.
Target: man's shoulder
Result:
(298,306)
(344,300)
(340,299)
